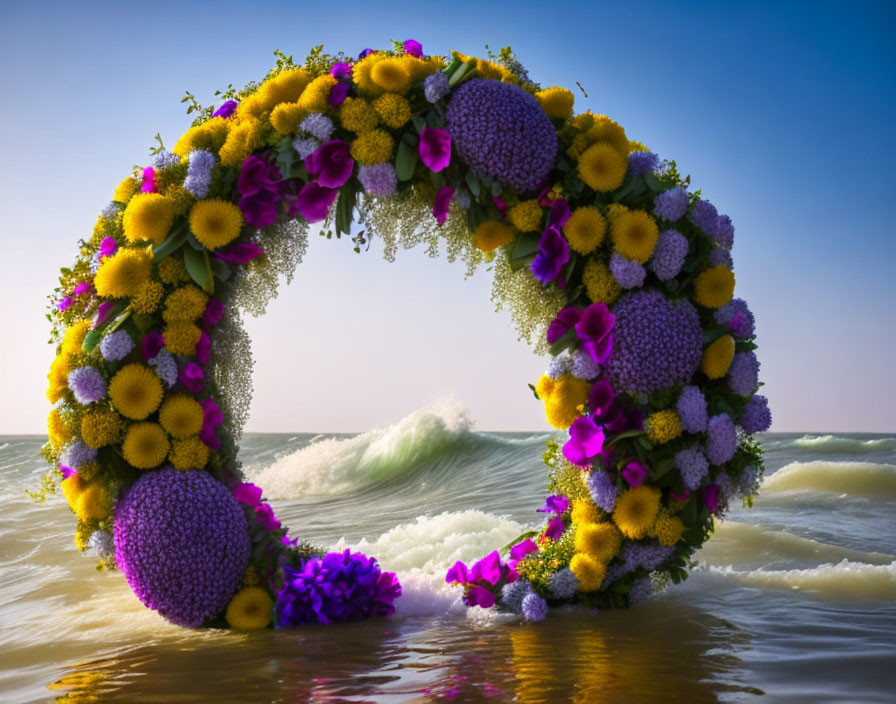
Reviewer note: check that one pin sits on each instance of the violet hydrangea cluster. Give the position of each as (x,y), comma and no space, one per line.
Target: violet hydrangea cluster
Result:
(87,384)
(722,442)
(743,374)
(668,255)
(672,204)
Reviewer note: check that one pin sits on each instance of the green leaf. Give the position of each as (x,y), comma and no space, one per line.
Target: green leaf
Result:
(663,466)
(344,208)
(525,245)
(194,243)
(653,183)
(568,338)
(220,270)
(405,161)
(473,184)
(522,263)
(199,268)
(624,436)
(91,339)
(173,242)
(496,189)
(419,122)
(713,334)
(534,392)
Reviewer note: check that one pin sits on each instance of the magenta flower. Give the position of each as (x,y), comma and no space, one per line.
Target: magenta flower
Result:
(341,71)
(594,329)
(108,247)
(586,440)
(82,288)
(239,253)
(64,303)
(338,94)
(620,416)
(675,496)
(214,311)
(413,47)
(564,322)
(151,345)
(149,180)
(365,53)
(192,377)
(226,110)
(259,186)
(483,580)
(710,497)
(435,148)
(488,569)
(555,529)
(103,311)
(556,504)
(211,419)
(501,206)
(314,201)
(247,493)
(553,254)
(259,210)
(479,596)
(559,213)
(634,473)
(265,517)
(443,202)
(601,396)
(331,164)
(203,347)
(457,574)
(67,471)
(520,550)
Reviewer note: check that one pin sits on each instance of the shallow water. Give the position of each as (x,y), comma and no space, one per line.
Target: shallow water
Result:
(794,599)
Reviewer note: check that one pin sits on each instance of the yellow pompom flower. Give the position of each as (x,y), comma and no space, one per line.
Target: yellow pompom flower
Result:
(145,445)
(147,299)
(714,287)
(717,357)
(603,129)
(100,428)
(391,74)
(94,502)
(603,167)
(585,229)
(637,147)
(614,210)
(172,271)
(210,135)
(562,398)
(598,540)
(126,190)
(250,610)
(393,109)
(373,147)
(634,235)
(636,511)
(58,378)
(556,102)
(287,117)
(135,391)
(148,216)
(190,453)
(181,416)
(74,337)
(180,198)
(241,141)
(285,87)
(124,273)
(668,529)
(663,426)
(71,490)
(58,431)
(526,216)
(588,571)
(181,338)
(492,234)
(215,222)
(316,96)
(358,116)
(585,511)
(600,284)
(184,305)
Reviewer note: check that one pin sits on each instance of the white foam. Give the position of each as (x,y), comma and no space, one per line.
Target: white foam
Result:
(835,443)
(867,478)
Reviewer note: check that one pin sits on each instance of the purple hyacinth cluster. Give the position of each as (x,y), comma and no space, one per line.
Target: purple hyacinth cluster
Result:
(627,272)
(756,417)
(671,205)
(692,465)
(603,490)
(705,216)
(722,442)
(563,584)
(87,384)
(743,374)
(657,343)
(560,365)
(650,557)
(640,591)
(182,542)
(318,125)
(305,146)
(583,365)
(165,159)
(500,130)
(116,346)
(725,232)
(379,179)
(534,608)
(512,594)
(436,87)
(640,163)
(668,255)
(691,407)
(736,314)
(336,588)
(721,256)
(77,454)
(199,172)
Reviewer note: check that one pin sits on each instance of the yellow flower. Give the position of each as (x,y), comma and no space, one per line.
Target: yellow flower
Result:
(181,416)
(241,141)
(600,284)
(598,540)
(71,490)
(250,610)
(588,571)
(172,271)
(285,87)
(714,287)
(391,74)
(210,135)
(585,511)
(100,428)
(58,431)
(181,338)
(184,305)
(357,115)
(663,426)
(145,445)
(148,216)
(124,273)
(634,235)
(373,147)
(58,378)
(180,198)
(668,529)
(603,129)
(394,110)
(215,222)
(602,167)
(94,502)
(637,147)
(147,299)
(585,229)
(556,102)
(717,357)
(636,511)
(562,398)
(287,117)
(316,97)
(125,190)
(135,391)
(190,453)
(492,234)
(526,216)
(74,337)
(614,210)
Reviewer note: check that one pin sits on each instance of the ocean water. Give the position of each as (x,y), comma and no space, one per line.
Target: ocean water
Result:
(794,599)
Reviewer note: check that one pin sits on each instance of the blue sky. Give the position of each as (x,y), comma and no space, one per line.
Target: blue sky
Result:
(781,112)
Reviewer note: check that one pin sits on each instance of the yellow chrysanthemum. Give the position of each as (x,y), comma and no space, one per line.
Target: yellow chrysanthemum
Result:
(637,147)
(585,229)
(585,511)
(184,305)
(714,287)
(250,610)
(287,117)
(94,502)
(181,338)
(210,135)
(215,222)
(74,337)
(492,234)
(588,571)
(600,284)
(603,129)
(614,210)
(391,74)
(241,141)
(556,102)
(57,379)
(126,190)
(190,453)
(373,147)
(663,426)
(636,511)
(145,445)
(358,116)
(393,109)
(71,490)
(717,357)
(602,167)
(148,217)
(316,96)
(180,198)
(526,216)
(172,271)
(100,428)
(562,398)
(668,529)
(634,235)
(285,87)
(181,416)
(147,299)
(58,431)
(135,391)
(124,273)
(598,540)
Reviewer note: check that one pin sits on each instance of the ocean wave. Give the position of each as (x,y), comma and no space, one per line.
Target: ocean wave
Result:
(837,444)
(860,478)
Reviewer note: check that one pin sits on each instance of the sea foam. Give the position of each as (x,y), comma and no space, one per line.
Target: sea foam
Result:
(837,444)
(860,478)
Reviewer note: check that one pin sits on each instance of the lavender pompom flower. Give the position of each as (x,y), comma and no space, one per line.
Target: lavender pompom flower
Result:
(650,557)
(560,365)
(379,179)
(512,594)
(435,87)
(584,366)
(110,211)
(692,465)
(749,481)
(627,272)
(640,163)
(462,198)
(640,590)
(305,146)
(603,490)
(721,256)
(199,172)
(116,346)
(165,367)
(691,407)
(77,454)
(164,159)
(318,125)
(722,443)
(724,232)
(87,384)
(102,543)
(534,608)
(671,205)
(743,374)
(737,316)
(705,216)
(668,255)
(563,584)
(756,417)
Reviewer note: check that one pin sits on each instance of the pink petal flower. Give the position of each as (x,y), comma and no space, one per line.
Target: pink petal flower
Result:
(149,180)
(338,94)
(264,514)
(102,313)
(443,202)
(314,201)
(331,164)
(192,377)
(151,345)
(458,574)
(413,47)
(635,473)
(247,493)
(711,497)
(435,148)
(203,347)
(214,311)
(563,323)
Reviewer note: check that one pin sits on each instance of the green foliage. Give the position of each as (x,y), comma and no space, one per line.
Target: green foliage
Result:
(48,485)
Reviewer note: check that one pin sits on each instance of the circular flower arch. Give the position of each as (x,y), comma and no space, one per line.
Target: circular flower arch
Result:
(603,257)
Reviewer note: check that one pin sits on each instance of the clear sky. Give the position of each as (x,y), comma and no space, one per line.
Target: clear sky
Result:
(782,113)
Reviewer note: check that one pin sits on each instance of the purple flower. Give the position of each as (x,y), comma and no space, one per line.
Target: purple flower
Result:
(379,179)
(586,440)
(338,94)
(583,366)
(743,374)
(164,159)
(722,442)
(710,497)
(534,608)
(102,313)
(111,210)
(559,365)
(436,87)
(341,71)
(512,595)
(691,407)
(737,316)
(67,472)
(724,232)
(365,53)
(640,591)
(520,550)
(226,110)
(640,163)
(559,213)
(199,172)
(305,146)
(458,573)
(116,346)
(720,256)
(87,384)
(239,253)
(672,204)
(211,419)
(314,201)
(77,454)
(192,377)
(635,473)
(413,47)
(483,581)
(165,367)
(650,557)
(564,322)
(331,164)
(214,311)
(149,181)
(692,465)
(318,125)
(556,504)
(247,494)
(705,216)
(627,272)
(64,303)
(600,398)
(563,584)
(603,490)
(442,204)
(108,247)
(258,184)
(555,529)
(668,255)
(435,148)
(264,516)
(553,254)
(756,416)
(203,347)
(595,330)
(82,288)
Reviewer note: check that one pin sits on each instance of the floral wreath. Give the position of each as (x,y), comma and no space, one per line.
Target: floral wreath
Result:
(604,258)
